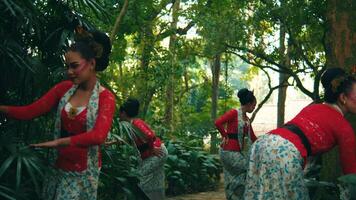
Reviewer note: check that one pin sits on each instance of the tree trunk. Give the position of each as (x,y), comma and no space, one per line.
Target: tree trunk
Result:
(282,95)
(173,58)
(145,83)
(283,78)
(119,18)
(341,34)
(340,45)
(215,70)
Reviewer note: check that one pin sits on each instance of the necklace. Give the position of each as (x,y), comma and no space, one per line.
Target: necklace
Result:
(336,107)
(72,112)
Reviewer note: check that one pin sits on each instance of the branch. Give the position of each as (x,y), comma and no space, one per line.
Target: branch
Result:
(281,69)
(183,31)
(179,31)
(271,90)
(119,18)
(300,49)
(188,89)
(159,8)
(258,54)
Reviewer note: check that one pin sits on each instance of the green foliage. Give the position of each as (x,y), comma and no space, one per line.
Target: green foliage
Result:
(190,169)
(348,179)
(21,169)
(119,179)
(35,34)
(320,189)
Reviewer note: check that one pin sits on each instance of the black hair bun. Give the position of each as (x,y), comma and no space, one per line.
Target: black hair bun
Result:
(330,74)
(131,107)
(242,93)
(246,96)
(103,51)
(331,83)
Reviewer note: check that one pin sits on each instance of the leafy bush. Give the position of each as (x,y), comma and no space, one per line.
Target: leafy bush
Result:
(21,170)
(328,190)
(118,179)
(190,169)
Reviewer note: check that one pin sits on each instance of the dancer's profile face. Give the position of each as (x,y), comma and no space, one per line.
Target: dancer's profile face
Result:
(78,69)
(123,116)
(350,100)
(251,107)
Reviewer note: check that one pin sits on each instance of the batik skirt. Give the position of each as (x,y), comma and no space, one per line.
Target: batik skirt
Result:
(234,168)
(152,178)
(275,171)
(63,185)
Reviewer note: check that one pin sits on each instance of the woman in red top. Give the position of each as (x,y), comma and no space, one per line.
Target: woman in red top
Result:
(151,150)
(84,115)
(238,129)
(277,158)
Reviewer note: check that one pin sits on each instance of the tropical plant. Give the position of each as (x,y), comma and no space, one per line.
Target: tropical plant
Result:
(190,169)
(21,169)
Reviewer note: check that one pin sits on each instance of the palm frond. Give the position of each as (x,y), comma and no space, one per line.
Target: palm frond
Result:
(13,7)
(23,156)
(93,5)
(349,179)
(7,193)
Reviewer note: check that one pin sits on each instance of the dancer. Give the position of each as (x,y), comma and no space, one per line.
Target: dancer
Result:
(84,116)
(277,158)
(152,152)
(238,129)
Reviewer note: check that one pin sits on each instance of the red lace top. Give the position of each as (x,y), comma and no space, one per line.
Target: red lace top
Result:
(325,128)
(74,156)
(230,120)
(148,139)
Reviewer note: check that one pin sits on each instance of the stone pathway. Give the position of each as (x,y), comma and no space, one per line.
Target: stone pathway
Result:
(219,194)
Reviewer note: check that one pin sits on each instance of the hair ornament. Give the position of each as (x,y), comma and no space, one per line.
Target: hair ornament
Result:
(335,83)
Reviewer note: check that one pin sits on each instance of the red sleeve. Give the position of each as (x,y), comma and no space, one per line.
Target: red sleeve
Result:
(221,121)
(145,129)
(347,148)
(102,125)
(252,134)
(42,105)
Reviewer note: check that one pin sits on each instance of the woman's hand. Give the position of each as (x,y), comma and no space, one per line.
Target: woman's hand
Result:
(157,151)
(112,142)
(225,140)
(53,144)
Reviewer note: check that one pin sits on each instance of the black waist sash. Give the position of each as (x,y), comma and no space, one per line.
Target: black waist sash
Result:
(143,147)
(232,136)
(65,133)
(296,130)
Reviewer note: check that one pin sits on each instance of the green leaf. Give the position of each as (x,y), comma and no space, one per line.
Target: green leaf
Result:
(18,172)
(33,177)
(5,165)
(350,179)
(4,192)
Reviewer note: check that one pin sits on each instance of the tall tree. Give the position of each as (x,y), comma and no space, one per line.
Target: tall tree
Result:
(283,78)
(340,45)
(304,31)
(215,70)
(173,62)
(118,21)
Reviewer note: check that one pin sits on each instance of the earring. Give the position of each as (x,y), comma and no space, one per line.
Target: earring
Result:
(344,102)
